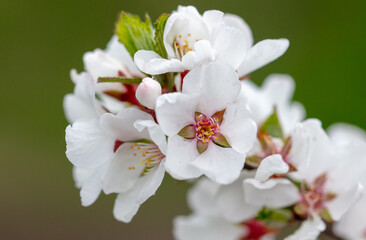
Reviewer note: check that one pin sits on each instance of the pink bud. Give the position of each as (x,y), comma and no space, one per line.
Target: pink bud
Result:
(147,92)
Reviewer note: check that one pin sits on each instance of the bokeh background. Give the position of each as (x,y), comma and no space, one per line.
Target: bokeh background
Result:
(41,40)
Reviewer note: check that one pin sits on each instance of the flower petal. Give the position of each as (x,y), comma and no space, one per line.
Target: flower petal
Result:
(124,170)
(200,227)
(231,45)
(261,54)
(181,152)
(271,165)
(309,230)
(87,145)
(237,22)
(344,201)
(212,19)
(238,127)
(152,63)
(208,82)
(121,126)
(128,203)
(174,111)
(274,193)
(222,165)
(155,132)
(118,51)
(202,53)
(91,188)
(201,197)
(231,203)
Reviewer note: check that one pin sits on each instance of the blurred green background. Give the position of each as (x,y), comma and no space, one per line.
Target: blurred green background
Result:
(41,40)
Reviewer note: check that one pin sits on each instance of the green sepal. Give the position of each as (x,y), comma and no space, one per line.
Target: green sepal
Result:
(121,80)
(325,215)
(272,126)
(134,33)
(159,35)
(187,132)
(221,140)
(276,215)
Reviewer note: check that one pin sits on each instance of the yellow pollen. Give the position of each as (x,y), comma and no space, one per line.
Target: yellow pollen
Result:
(131,147)
(198,117)
(135,144)
(143,154)
(138,148)
(180,36)
(216,137)
(189,34)
(134,154)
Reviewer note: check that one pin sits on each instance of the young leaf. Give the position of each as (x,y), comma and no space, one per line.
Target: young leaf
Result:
(272,126)
(120,79)
(159,35)
(135,34)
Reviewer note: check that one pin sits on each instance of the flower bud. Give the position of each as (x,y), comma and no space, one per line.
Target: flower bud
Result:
(147,92)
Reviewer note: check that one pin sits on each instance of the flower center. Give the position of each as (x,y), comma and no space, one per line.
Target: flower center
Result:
(149,153)
(183,44)
(206,128)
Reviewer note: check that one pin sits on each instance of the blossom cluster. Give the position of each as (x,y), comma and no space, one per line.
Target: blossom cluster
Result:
(175,97)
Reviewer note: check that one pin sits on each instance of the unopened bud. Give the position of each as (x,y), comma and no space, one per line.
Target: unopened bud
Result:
(147,92)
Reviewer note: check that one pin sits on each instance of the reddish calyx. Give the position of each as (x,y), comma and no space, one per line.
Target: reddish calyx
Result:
(256,230)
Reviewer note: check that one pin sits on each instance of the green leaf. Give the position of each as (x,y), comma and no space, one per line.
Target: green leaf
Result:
(159,35)
(135,34)
(120,79)
(272,126)
(277,215)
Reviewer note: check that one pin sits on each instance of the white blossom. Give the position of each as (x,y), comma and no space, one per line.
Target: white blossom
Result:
(209,130)
(192,40)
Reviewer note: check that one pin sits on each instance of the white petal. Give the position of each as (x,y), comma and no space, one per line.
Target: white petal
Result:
(119,176)
(309,230)
(174,111)
(150,62)
(231,203)
(222,165)
(343,133)
(261,54)
(202,53)
(279,88)
(155,132)
(271,165)
(181,152)
(199,227)
(99,64)
(76,108)
(128,203)
(299,152)
(208,81)
(91,188)
(201,197)
(155,179)
(231,45)
(117,50)
(121,126)
(87,145)
(238,127)
(212,19)
(237,22)
(352,225)
(344,201)
(274,193)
